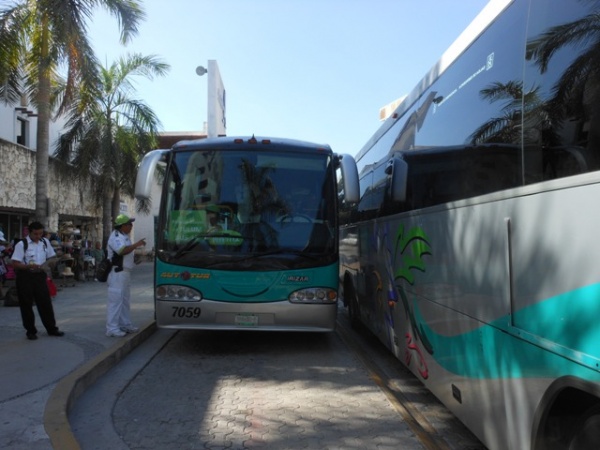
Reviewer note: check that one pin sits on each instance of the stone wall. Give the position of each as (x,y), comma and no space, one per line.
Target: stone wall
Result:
(17,188)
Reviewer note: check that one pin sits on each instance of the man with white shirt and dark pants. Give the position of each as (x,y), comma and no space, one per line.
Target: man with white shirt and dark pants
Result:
(29,262)
(120,252)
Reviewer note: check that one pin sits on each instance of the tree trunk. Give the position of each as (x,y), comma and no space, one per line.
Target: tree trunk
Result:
(41,160)
(116,203)
(107,224)
(43,141)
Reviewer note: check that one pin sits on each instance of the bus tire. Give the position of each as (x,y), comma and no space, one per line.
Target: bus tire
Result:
(352,302)
(586,435)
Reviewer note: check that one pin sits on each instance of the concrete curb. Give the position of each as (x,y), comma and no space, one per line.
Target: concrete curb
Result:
(70,388)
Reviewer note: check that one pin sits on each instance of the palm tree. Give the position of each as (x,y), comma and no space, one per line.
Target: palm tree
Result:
(38,38)
(108,131)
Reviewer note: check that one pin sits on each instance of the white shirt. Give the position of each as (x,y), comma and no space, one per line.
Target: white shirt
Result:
(116,244)
(36,252)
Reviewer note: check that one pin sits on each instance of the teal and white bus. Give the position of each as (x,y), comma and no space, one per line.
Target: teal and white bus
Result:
(473,252)
(248,233)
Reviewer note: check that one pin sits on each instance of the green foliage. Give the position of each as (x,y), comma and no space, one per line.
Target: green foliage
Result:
(109,130)
(44,43)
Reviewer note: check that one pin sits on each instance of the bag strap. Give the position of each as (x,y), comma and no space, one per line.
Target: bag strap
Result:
(26,244)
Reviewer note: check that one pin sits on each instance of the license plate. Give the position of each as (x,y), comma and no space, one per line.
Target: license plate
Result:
(246,320)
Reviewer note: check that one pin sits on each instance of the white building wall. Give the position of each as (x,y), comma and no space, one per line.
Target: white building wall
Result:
(7,123)
(9,126)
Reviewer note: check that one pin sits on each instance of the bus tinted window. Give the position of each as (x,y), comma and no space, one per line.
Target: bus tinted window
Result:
(466,105)
(400,136)
(562,81)
(439,176)
(374,186)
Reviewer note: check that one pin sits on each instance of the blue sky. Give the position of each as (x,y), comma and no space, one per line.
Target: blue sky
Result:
(316,70)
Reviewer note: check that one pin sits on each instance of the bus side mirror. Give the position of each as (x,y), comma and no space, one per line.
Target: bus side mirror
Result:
(347,165)
(398,171)
(145,176)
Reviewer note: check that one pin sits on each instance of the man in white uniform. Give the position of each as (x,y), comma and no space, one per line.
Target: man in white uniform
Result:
(120,251)
(30,262)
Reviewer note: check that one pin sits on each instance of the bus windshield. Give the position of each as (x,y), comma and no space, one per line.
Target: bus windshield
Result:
(260,210)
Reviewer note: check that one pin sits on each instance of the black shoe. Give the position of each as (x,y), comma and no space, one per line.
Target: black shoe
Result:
(56,333)
(31,336)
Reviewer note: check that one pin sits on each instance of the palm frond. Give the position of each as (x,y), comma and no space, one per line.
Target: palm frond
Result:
(576,33)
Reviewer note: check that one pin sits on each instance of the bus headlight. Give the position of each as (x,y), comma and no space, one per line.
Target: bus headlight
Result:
(175,293)
(313,295)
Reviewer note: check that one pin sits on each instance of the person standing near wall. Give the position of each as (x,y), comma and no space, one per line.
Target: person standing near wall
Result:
(29,260)
(98,253)
(120,252)
(3,253)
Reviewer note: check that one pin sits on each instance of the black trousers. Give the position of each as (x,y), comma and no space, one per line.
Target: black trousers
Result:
(32,287)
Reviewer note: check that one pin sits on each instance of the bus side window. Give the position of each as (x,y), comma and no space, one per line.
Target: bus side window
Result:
(562,162)
(491,169)
(364,209)
(566,142)
(374,188)
(380,190)
(433,179)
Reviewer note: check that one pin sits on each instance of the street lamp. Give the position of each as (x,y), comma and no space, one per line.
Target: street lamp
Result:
(215,100)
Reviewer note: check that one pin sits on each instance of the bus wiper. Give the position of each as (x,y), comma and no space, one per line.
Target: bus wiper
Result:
(280,251)
(206,235)
(189,245)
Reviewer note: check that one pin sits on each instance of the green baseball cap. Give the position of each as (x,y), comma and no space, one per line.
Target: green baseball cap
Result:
(122,219)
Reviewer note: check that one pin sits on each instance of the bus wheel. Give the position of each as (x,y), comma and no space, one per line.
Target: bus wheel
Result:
(587,434)
(353,312)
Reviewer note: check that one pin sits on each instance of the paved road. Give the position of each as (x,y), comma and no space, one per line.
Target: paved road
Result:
(237,390)
(245,390)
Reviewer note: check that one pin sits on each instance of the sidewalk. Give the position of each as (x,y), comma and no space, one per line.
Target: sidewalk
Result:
(39,380)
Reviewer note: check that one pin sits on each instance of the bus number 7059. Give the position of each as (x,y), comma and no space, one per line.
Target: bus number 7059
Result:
(189,312)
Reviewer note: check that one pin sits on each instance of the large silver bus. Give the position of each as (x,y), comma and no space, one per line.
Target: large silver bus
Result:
(473,250)
(247,233)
